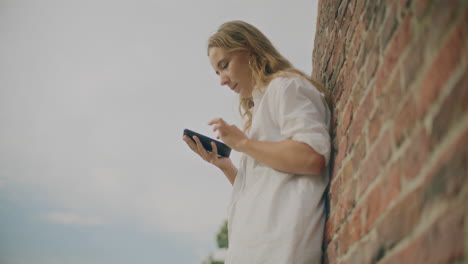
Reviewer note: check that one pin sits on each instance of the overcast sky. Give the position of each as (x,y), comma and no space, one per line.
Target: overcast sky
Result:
(94,96)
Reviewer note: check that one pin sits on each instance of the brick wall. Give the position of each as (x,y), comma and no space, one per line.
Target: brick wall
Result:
(397,74)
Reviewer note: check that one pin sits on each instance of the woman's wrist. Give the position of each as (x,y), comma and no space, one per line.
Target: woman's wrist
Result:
(230,171)
(242,146)
(226,167)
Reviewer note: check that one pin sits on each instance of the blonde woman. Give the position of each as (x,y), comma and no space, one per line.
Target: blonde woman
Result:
(276,213)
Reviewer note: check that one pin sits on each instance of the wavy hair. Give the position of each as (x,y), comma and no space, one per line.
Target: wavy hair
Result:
(266,62)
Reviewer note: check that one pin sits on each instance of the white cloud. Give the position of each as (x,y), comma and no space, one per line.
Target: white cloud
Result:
(13,260)
(72,218)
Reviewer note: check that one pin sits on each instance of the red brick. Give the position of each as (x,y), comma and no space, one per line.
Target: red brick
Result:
(333,251)
(354,18)
(420,8)
(386,190)
(449,173)
(345,239)
(347,22)
(356,256)
(334,126)
(338,91)
(347,116)
(341,154)
(356,44)
(413,63)
(390,25)
(360,150)
(351,75)
(441,69)
(351,233)
(358,91)
(375,126)
(396,205)
(452,111)
(355,221)
(391,96)
(405,120)
(370,250)
(376,160)
(367,175)
(349,195)
(394,52)
(344,98)
(340,15)
(373,208)
(334,195)
(342,210)
(442,17)
(347,172)
(335,63)
(415,154)
(392,186)
(371,41)
(442,242)
(359,8)
(360,59)
(361,115)
(330,229)
(372,63)
(347,200)
(400,220)
(369,13)
(443,181)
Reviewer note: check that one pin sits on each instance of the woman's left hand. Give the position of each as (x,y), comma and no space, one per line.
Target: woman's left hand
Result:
(231,135)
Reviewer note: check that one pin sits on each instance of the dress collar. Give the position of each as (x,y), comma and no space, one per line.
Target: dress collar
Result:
(257,95)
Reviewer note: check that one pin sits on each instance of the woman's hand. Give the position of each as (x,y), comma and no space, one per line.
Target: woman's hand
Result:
(231,135)
(211,157)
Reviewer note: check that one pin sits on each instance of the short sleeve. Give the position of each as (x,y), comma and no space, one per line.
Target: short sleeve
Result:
(302,114)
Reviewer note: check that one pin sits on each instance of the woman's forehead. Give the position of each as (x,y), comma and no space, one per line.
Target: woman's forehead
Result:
(216,52)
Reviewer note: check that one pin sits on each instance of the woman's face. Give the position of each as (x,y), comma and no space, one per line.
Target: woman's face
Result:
(233,70)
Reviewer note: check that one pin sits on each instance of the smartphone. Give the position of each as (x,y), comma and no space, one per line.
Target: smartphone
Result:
(223,149)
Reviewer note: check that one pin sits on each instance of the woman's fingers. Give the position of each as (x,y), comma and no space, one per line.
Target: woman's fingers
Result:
(214,121)
(202,151)
(194,145)
(219,129)
(219,121)
(191,143)
(215,149)
(198,148)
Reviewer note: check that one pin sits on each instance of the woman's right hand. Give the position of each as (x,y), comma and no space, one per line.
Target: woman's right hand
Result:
(211,157)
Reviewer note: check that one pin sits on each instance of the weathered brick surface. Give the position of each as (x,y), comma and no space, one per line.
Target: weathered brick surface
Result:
(397,76)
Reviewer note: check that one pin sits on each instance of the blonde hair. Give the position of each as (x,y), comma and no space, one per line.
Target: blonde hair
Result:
(266,62)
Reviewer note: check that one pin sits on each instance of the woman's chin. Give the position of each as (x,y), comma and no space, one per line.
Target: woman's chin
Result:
(245,95)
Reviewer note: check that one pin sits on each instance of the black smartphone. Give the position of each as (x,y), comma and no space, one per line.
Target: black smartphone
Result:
(223,149)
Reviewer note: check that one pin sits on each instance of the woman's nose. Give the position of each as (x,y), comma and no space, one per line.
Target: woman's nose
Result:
(224,80)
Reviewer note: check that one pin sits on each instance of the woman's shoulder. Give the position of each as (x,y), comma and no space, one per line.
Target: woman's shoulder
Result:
(287,81)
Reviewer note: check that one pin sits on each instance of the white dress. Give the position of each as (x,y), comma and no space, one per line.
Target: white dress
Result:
(275,217)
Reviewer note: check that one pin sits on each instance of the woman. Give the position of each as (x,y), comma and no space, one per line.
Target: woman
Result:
(276,213)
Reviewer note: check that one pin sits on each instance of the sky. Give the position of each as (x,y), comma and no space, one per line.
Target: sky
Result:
(94,97)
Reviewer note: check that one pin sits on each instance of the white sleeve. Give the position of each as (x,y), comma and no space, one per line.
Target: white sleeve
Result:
(302,114)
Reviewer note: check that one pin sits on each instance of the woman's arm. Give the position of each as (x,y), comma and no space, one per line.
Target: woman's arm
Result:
(224,164)
(287,156)
(230,171)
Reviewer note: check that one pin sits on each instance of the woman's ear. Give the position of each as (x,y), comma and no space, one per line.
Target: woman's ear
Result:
(251,57)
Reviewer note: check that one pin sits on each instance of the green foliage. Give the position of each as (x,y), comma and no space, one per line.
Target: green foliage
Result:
(222,240)
(222,237)
(210,260)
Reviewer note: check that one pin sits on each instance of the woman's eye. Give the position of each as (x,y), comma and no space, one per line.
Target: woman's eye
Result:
(225,65)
